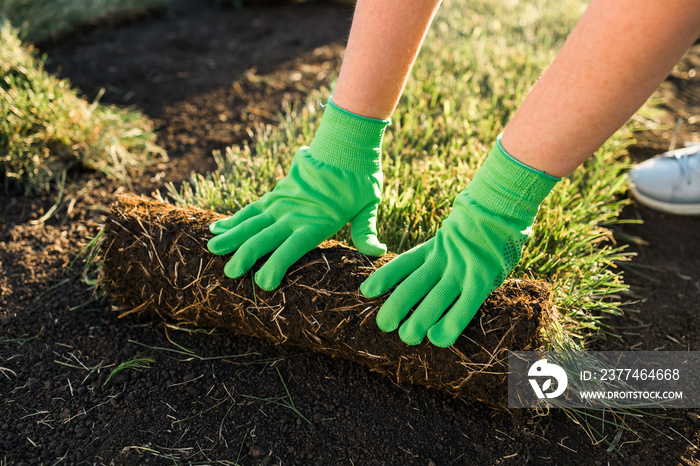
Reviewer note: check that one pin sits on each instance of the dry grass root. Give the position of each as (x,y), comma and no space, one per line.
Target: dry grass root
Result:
(156,264)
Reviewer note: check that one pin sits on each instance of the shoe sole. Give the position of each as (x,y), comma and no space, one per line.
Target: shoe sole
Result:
(670,208)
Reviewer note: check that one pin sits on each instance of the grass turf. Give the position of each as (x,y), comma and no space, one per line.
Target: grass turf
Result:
(316,308)
(46,128)
(477,64)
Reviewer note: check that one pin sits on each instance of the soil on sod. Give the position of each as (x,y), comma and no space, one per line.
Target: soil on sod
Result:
(213,396)
(156,263)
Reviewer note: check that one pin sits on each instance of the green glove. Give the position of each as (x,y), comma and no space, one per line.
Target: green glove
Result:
(472,253)
(338,179)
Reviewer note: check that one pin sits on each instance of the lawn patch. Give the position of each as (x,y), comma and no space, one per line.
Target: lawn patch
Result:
(46,128)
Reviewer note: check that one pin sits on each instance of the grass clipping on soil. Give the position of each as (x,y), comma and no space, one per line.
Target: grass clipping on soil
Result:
(155,262)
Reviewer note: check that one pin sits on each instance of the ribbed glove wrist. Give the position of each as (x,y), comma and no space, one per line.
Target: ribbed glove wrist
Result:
(348,141)
(508,188)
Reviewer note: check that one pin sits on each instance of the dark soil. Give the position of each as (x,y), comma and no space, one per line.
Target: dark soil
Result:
(212,396)
(205,74)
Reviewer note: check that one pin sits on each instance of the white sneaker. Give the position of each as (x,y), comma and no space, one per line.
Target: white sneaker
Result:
(669,182)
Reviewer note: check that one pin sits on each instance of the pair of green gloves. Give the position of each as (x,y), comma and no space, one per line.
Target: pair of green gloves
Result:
(338,179)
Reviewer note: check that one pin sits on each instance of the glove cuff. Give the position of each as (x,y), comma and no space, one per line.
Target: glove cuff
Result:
(509,188)
(348,141)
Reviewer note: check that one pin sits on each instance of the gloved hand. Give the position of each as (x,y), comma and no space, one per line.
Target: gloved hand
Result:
(471,254)
(338,179)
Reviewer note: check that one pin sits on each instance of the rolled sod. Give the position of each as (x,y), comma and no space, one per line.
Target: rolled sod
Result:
(156,264)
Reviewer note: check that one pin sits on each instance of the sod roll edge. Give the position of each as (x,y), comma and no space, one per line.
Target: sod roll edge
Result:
(156,264)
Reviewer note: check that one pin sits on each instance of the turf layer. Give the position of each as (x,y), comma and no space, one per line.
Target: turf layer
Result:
(156,264)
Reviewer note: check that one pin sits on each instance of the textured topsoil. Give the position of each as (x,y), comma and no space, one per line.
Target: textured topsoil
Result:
(212,396)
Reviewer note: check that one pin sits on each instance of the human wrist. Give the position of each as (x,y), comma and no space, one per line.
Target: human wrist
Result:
(509,188)
(349,141)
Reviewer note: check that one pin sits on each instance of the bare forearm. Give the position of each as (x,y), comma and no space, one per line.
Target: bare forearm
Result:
(384,41)
(614,59)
